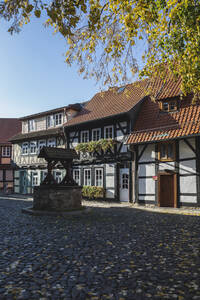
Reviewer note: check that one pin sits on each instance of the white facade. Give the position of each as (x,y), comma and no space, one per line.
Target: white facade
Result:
(184,166)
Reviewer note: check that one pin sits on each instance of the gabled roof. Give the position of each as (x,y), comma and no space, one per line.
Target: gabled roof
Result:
(153,124)
(76,107)
(37,134)
(112,102)
(8,128)
(118,100)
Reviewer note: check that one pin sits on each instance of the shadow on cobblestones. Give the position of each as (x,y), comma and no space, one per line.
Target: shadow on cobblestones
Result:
(110,253)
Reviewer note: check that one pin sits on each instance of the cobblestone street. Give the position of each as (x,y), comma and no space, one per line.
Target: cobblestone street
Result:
(110,253)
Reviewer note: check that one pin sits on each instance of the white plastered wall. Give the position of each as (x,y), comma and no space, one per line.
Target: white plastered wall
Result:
(146,186)
(188,184)
(184,150)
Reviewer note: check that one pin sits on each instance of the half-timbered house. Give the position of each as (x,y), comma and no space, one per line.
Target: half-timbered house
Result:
(38,130)
(8,128)
(166,143)
(108,115)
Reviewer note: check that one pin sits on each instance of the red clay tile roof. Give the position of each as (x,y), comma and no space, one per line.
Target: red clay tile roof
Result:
(168,88)
(155,125)
(8,128)
(112,103)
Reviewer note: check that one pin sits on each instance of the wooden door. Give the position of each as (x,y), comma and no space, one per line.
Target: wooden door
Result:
(167,190)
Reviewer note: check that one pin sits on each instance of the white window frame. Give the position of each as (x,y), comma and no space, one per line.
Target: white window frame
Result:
(50,121)
(51,142)
(97,179)
(86,177)
(43,175)
(108,127)
(77,180)
(35,179)
(31,125)
(25,148)
(33,145)
(83,136)
(96,130)
(6,151)
(58,176)
(58,119)
(41,144)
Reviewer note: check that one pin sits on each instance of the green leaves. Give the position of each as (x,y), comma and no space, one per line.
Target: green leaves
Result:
(104,36)
(103,144)
(29,8)
(37,13)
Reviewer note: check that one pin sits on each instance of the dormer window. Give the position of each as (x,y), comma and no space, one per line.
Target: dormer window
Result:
(58,119)
(50,121)
(169,106)
(31,124)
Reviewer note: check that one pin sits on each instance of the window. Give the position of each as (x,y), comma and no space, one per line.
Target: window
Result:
(76,176)
(42,143)
(166,152)
(50,121)
(51,143)
(96,134)
(125,179)
(35,180)
(108,132)
(58,176)
(58,119)
(99,177)
(121,89)
(31,125)
(33,147)
(84,136)
(87,177)
(6,151)
(168,105)
(43,175)
(25,148)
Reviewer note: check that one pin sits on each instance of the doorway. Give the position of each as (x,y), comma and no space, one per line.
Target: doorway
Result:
(23,182)
(167,190)
(124,185)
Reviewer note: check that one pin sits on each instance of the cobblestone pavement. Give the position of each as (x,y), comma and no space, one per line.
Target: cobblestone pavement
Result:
(111,253)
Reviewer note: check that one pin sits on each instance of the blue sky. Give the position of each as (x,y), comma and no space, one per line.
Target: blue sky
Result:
(33,74)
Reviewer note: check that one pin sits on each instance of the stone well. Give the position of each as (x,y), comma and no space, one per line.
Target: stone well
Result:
(57,198)
(50,196)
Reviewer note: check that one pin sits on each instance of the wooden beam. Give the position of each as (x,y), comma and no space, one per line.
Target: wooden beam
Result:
(144,148)
(190,146)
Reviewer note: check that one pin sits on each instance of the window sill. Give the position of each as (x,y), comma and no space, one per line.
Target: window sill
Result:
(167,160)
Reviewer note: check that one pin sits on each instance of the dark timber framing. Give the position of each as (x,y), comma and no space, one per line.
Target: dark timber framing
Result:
(118,157)
(179,172)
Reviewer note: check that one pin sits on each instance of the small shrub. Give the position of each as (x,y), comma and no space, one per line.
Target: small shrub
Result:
(93,192)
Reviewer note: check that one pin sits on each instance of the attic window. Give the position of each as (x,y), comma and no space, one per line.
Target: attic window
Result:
(169,106)
(166,151)
(121,89)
